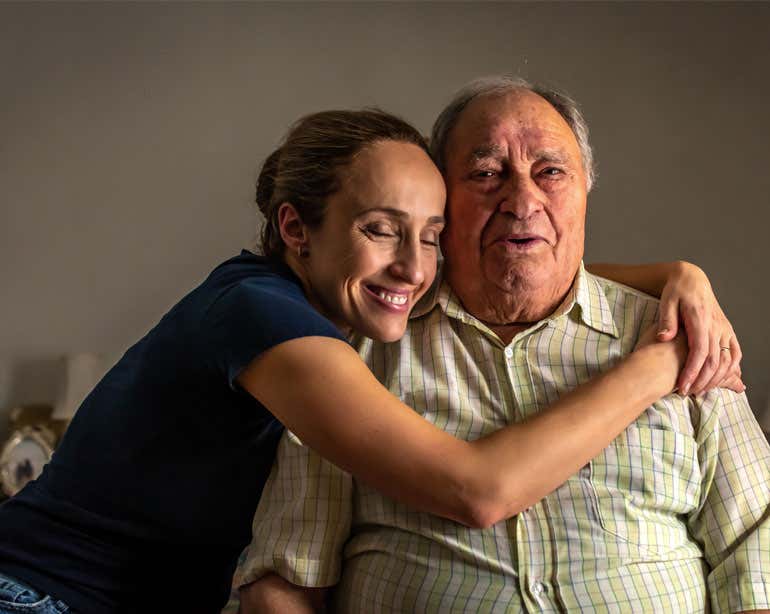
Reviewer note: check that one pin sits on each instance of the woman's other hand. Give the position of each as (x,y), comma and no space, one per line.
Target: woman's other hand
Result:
(715,354)
(671,354)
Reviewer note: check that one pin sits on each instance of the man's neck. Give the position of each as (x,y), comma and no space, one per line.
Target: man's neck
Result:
(508,311)
(506,332)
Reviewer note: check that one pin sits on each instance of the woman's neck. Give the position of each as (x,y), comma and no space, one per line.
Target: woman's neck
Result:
(298,267)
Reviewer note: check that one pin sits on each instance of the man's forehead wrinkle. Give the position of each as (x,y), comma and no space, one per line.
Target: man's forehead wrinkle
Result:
(494,127)
(525,149)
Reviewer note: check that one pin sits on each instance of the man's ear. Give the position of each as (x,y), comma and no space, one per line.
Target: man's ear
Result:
(293,230)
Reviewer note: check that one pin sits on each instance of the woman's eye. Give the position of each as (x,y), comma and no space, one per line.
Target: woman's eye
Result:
(431,241)
(378,230)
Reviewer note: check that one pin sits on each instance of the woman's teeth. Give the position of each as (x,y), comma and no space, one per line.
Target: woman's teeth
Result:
(396,299)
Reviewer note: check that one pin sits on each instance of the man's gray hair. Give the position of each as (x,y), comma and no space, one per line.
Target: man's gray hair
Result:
(500,85)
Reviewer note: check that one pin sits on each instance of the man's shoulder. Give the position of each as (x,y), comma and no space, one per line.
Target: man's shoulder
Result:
(621,296)
(615,291)
(630,309)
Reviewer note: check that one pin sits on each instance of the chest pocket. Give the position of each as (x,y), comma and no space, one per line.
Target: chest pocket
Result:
(645,482)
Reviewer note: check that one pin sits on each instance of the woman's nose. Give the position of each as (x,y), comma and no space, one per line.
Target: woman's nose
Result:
(408,264)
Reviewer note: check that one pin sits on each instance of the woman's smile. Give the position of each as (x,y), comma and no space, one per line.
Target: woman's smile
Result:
(395,300)
(376,252)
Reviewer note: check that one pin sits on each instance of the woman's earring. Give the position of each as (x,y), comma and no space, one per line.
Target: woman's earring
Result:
(302,251)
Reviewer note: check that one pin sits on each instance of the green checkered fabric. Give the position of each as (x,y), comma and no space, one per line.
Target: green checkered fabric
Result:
(672,517)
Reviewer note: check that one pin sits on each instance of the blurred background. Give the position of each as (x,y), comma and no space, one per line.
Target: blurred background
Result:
(131,135)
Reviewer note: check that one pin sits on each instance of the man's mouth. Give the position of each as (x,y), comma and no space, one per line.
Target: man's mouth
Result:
(521,242)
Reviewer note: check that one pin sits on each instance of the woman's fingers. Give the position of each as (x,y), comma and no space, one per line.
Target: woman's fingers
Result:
(734,383)
(719,364)
(699,342)
(668,318)
(709,368)
(736,354)
(724,370)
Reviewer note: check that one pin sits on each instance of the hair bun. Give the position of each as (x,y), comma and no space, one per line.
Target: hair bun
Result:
(266,180)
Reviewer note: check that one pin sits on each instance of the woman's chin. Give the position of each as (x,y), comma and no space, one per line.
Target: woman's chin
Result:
(385,334)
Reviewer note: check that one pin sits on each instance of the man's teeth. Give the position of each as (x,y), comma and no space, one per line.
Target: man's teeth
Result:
(396,299)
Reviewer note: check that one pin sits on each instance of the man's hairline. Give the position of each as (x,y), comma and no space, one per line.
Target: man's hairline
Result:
(502,91)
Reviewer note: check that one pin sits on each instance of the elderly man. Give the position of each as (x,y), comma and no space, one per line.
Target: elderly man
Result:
(673,516)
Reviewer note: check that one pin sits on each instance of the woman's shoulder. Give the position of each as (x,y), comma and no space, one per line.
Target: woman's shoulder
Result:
(251,289)
(257,272)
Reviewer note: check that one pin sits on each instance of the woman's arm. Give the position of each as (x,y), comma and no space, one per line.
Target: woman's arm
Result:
(337,407)
(684,291)
(271,594)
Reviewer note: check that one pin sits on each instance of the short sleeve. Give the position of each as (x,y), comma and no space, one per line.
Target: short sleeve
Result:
(733,521)
(303,520)
(255,315)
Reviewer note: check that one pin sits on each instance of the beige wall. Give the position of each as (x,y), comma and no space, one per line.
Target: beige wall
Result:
(130,137)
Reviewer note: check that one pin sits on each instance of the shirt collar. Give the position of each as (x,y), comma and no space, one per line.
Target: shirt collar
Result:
(585,299)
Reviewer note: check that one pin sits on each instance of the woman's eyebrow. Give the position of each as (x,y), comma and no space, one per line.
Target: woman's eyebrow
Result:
(386,210)
(400,214)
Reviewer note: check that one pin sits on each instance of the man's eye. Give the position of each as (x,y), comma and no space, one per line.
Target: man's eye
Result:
(484,174)
(431,241)
(552,171)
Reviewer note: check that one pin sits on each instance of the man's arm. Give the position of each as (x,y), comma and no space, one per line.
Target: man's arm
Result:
(298,533)
(271,594)
(732,522)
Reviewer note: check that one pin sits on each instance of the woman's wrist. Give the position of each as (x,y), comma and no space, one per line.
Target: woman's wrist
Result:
(658,365)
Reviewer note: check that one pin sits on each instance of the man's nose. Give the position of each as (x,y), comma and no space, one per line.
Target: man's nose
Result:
(407,265)
(524,198)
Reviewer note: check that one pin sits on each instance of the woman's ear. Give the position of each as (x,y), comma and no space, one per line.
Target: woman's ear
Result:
(293,230)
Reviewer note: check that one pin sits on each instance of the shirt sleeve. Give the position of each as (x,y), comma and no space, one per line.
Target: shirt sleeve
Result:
(732,521)
(303,520)
(254,316)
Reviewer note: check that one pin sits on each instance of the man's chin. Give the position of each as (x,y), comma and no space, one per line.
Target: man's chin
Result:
(521,277)
(534,290)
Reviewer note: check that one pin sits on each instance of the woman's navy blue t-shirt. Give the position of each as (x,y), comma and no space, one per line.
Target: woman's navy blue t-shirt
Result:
(149,498)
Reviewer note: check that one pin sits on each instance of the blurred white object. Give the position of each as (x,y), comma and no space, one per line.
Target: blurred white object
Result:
(82,372)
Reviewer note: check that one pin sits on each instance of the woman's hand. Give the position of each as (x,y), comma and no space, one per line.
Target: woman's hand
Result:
(669,355)
(715,354)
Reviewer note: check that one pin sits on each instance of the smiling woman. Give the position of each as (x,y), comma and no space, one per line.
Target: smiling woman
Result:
(375,254)
(354,208)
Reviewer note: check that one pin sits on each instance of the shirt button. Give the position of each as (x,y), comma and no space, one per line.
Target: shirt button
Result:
(508,352)
(537,588)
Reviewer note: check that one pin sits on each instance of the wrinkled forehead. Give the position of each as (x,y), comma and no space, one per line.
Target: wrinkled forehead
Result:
(490,123)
